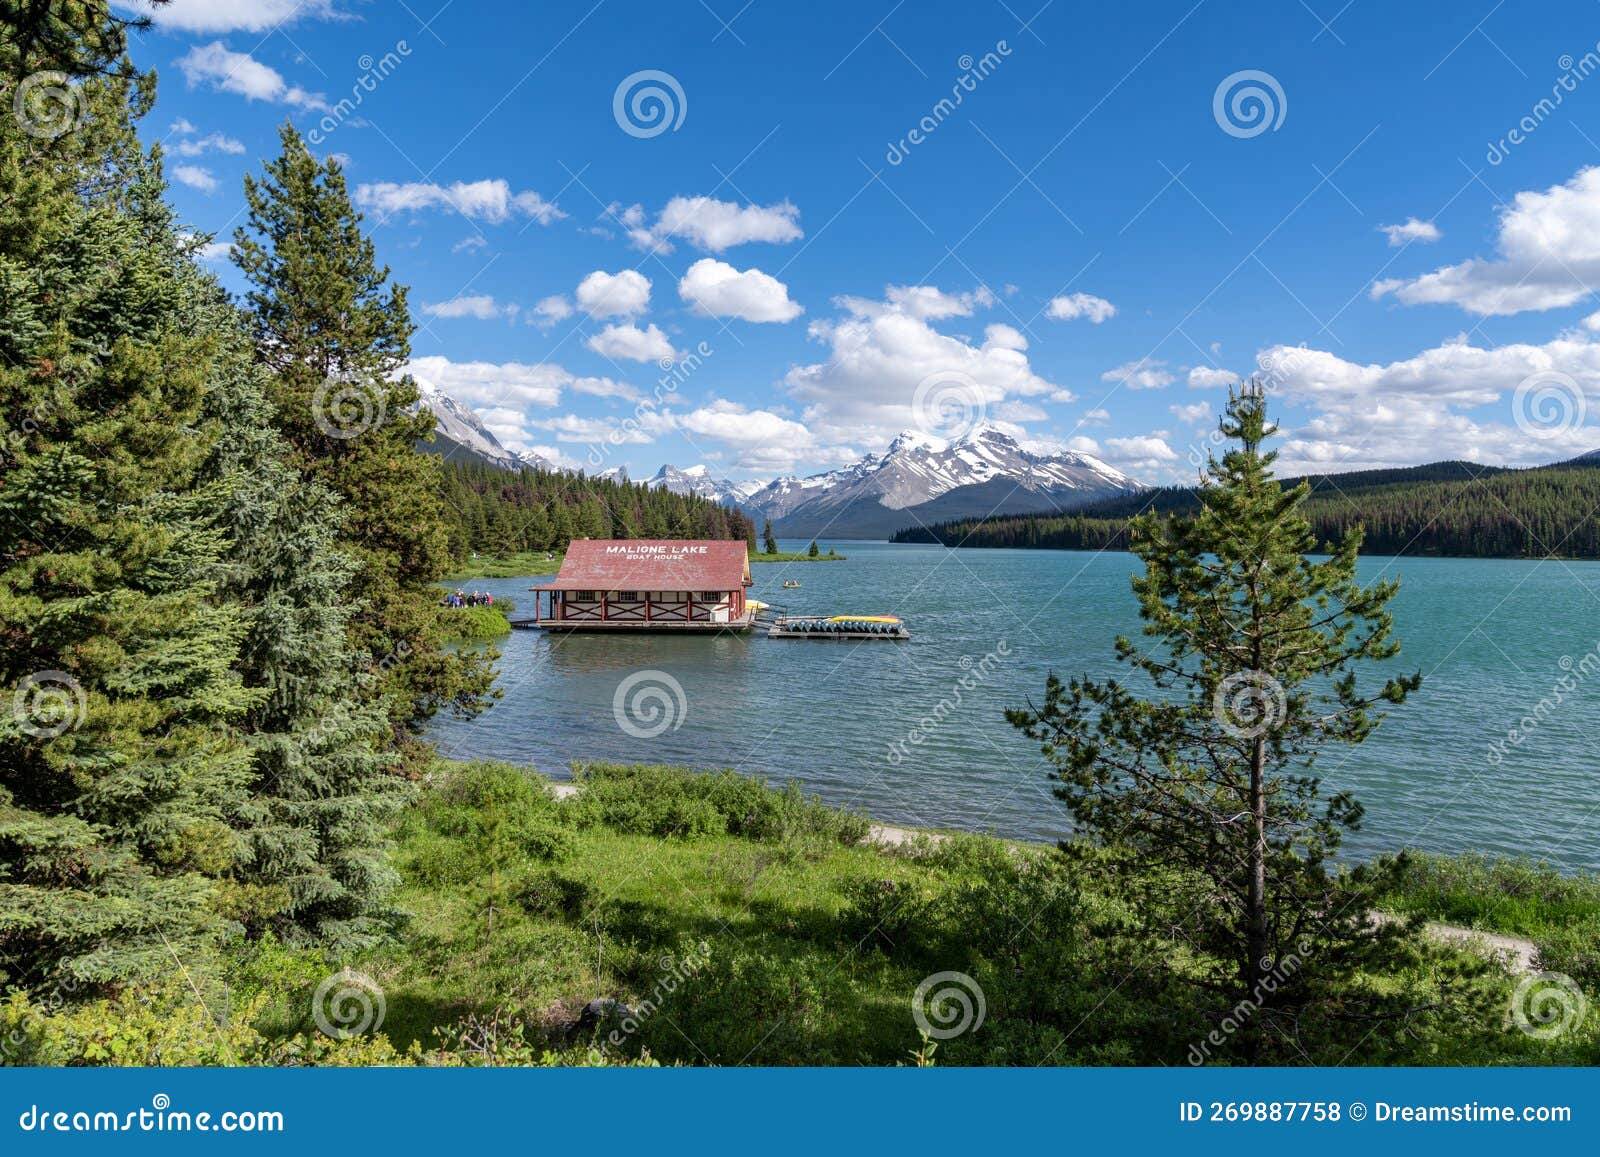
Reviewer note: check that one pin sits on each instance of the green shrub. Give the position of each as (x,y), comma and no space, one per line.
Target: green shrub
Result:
(483,817)
(658,800)
(889,915)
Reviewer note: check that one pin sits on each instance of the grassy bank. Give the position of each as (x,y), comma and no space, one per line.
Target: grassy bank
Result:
(527,562)
(1559,913)
(731,922)
(474,624)
(797,556)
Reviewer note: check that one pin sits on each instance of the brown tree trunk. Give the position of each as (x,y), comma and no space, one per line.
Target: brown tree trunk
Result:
(1257,966)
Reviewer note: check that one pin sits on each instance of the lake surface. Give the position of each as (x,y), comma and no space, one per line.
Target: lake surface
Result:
(1491,637)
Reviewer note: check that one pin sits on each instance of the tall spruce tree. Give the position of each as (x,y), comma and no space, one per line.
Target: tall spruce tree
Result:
(1254,668)
(118,766)
(312,862)
(335,333)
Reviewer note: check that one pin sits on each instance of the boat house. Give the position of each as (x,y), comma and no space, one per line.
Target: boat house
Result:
(648,585)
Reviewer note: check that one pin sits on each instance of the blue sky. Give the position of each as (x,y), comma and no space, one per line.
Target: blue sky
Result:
(1083,249)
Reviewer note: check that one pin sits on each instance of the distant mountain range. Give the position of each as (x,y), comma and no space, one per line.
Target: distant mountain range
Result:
(918,476)
(1442,508)
(460,436)
(919,479)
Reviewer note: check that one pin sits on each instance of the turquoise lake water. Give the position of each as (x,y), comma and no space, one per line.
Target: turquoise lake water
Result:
(1491,637)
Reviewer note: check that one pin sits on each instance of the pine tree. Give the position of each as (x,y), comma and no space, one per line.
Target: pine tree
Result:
(313,832)
(1213,777)
(768,542)
(812,550)
(118,764)
(335,332)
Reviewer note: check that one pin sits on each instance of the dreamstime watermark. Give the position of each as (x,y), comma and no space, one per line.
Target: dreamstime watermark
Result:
(648,103)
(160,1117)
(975,673)
(1548,404)
(675,972)
(948,1004)
(1548,1004)
(1573,73)
(344,409)
(48,703)
(1248,704)
(373,73)
(649,703)
(973,73)
(674,373)
(1277,973)
(1248,103)
(1577,673)
(948,404)
(347,1004)
(47,105)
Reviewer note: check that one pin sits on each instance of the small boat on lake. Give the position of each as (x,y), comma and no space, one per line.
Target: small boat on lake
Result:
(791,584)
(839,628)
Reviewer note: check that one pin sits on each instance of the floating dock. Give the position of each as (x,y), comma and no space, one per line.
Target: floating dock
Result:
(839,628)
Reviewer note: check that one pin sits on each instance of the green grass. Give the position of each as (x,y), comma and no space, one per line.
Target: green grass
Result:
(748,925)
(474,624)
(743,923)
(1515,897)
(796,556)
(526,562)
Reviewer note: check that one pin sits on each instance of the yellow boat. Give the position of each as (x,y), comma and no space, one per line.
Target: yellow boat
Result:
(863,619)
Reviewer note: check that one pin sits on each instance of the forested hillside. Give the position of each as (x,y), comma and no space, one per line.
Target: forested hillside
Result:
(495,511)
(1444,508)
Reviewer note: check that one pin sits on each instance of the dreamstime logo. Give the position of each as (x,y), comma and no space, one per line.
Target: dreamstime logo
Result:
(373,73)
(1275,973)
(648,703)
(49,703)
(648,103)
(46,105)
(674,973)
(647,412)
(947,403)
(344,409)
(948,1004)
(1548,404)
(974,674)
(1548,1004)
(347,1004)
(1573,73)
(1575,674)
(1248,103)
(1249,704)
(973,72)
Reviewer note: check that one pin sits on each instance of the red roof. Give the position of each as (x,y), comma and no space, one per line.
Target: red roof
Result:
(650,564)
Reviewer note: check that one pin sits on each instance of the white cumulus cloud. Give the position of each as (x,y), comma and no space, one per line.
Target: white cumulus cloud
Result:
(632,343)
(717,289)
(709,224)
(479,305)
(488,200)
(881,353)
(1548,256)
(1144,374)
(1076,305)
(1411,230)
(228,15)
(240,73)
(624,294)
(196,177)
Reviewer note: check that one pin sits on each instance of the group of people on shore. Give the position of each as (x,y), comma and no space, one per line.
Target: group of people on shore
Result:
(459,598)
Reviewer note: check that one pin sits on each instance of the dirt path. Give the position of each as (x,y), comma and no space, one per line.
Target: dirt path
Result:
(1514,952)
